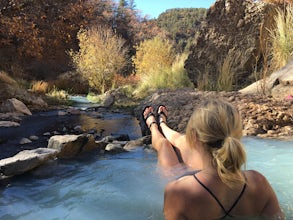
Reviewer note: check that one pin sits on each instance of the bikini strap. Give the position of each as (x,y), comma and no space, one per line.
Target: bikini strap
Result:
(236,201)
(212,194)
(227,213)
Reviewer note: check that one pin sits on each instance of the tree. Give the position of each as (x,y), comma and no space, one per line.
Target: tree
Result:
(153,55)
(102,54)
(182,25)
(33,31)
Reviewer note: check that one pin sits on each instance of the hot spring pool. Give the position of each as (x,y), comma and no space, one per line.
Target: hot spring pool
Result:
(124,186)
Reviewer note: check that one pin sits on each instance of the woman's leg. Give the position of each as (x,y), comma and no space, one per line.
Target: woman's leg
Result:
(166,155)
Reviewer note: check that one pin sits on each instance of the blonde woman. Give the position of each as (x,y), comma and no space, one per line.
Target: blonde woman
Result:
(219,189)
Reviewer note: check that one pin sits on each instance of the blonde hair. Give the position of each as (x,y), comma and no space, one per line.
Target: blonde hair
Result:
(217,126)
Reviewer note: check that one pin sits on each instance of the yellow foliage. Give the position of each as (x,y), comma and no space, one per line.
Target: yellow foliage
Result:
(153,55)
(101,55)
(40,87)
(174,76)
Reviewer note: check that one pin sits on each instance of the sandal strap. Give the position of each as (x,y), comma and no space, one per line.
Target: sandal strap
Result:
(149,115)
(153,122)
(160,117)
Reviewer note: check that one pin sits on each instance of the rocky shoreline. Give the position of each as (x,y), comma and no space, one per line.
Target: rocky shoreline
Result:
(264,117)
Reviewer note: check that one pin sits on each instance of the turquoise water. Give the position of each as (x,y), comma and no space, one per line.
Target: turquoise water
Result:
(124,186)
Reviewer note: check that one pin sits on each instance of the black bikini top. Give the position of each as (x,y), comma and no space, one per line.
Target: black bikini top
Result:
(227,212)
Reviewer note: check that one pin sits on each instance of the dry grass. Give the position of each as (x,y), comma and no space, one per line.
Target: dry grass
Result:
(7,79)
(205,82)
(279,2)
(282,37)
(40,87)
(226,71)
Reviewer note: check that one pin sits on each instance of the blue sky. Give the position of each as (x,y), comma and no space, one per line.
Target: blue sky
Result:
(155,7)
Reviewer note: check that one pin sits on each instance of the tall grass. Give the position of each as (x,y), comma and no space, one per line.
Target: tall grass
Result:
(5,78)
(226,71)
(40,87)
(282,37)
(205,82)
(172,77)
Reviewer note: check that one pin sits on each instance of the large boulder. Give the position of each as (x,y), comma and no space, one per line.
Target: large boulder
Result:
(279,84)
(25,161)
(72,145)
(14,105)
(234,33)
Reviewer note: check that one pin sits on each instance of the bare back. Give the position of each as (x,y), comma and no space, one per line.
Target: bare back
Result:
(186,198)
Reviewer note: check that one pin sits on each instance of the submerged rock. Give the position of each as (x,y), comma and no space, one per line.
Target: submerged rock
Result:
(8,124)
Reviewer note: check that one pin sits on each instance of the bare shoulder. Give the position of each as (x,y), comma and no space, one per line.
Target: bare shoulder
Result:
(183,193)
(184,188)
(254,176)
(265,194)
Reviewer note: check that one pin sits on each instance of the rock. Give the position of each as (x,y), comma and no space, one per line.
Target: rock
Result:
(108,99)
(279,84)
(260,114)
(10,116)
(134,144)
(25,161)
(78,128)
(114,148)
(34,138)
(61,113)
(8,124)
(73,111)
(14,105)
(25,141)
(231,26)
(71,145)
(101,144)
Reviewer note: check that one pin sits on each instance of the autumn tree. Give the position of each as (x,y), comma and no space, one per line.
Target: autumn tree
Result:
(153,55)
(43,30)
(102,54)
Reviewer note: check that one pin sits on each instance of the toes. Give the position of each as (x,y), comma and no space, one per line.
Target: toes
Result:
(149,117)
(147,112)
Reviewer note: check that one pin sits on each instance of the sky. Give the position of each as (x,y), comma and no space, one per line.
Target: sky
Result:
(154,8)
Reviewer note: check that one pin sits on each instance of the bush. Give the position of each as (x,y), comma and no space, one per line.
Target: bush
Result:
(40,87)
(282,37)
(174,76)
(152,56)
(225,79)
(101,55)
(5,78)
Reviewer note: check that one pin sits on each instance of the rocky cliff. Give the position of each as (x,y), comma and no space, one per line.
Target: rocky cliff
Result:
(235,31)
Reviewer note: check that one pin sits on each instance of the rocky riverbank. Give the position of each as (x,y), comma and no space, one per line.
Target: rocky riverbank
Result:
(264,117)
